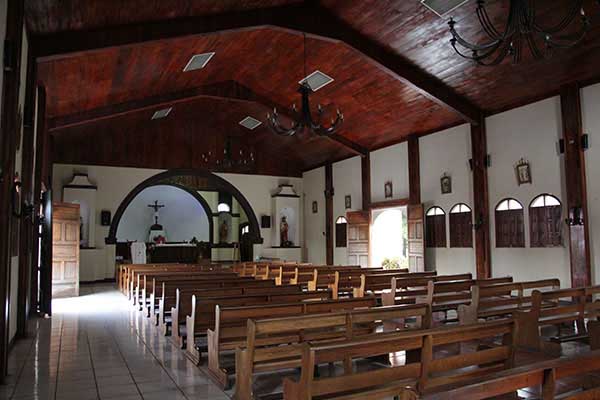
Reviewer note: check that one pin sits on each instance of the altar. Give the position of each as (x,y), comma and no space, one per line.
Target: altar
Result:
(176,253)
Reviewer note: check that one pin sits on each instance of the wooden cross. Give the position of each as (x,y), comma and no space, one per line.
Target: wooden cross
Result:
(156,207)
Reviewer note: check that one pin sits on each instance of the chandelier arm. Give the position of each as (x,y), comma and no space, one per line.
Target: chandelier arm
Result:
(476,57)
(487,24)
(534,48)
(570,40)
(502,53)
(576,7)
(322,131)
(472,46)
(280,129)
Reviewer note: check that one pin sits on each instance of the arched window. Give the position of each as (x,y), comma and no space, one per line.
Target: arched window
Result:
(510,231)
(545,225)
(223,207)
(340,231)
(461,231)
(435,227)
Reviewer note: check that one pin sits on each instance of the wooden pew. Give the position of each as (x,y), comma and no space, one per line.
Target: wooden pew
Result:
(325,278)
(134,272)
(443,295)
(376,283)
(344,282)
(556,308)
(200,312)
(429,374)
(175,306)
(231,323)
(172,283)
(501,300)
(144,290)
(125,273)
(273,344)
(546,374)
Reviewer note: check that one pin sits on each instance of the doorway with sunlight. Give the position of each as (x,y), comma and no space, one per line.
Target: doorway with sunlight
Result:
(389,238)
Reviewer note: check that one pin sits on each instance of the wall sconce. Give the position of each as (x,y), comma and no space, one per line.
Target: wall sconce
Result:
(478,222)
(575,216)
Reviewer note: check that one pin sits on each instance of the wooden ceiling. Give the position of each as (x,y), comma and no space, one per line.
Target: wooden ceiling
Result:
(395,75)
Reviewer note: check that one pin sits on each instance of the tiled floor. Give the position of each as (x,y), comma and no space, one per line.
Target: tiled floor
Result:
(97,347)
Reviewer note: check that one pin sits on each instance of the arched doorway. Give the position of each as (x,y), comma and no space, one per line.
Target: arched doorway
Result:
(388,236)
(193,181)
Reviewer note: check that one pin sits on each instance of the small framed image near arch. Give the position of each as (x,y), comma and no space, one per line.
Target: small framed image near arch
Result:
(510,230)
(545,221)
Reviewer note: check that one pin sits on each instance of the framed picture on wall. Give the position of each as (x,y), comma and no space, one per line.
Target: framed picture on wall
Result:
(523,172)
(315,207)
(446,184)
(388,190)
(348,201)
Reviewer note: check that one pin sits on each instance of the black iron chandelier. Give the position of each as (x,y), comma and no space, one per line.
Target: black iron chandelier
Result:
(304,119)
(522,30)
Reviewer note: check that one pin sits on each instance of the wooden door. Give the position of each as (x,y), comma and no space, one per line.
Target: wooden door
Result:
(65,250)
(416,239)
(358,238)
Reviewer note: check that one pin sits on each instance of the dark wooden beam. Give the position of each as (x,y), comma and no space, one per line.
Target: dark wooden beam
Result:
(414,171)
(480,200)
(579,239)
(389,203)
(329,191)
(365,167)
(8,134)
(309,17)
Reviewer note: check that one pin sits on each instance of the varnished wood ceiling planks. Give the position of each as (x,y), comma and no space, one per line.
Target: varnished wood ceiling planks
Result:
(51,16)
(409,29)
(379,108)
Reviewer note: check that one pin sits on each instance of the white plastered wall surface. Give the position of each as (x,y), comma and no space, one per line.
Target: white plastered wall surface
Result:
(115,183)
(314,223)
(346,182)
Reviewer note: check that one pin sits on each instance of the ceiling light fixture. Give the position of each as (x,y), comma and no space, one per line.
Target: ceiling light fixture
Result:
(250,123)
(303,119)
(198,61)
(522,29)
(162,113)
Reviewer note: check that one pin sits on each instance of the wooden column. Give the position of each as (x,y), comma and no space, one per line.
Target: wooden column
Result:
(579,240)
(8,125)
(365,165)
(481,205)
(414,171)
(329,213)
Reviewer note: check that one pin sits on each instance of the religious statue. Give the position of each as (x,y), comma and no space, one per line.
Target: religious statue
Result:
(223,231)
(283,232)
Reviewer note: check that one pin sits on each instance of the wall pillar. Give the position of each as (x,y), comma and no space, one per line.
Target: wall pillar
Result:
(414,171)
(481,205)
(365,165)
(579,240)
(329,213)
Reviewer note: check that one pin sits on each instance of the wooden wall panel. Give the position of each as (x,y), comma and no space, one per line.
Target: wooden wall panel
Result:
(481,207)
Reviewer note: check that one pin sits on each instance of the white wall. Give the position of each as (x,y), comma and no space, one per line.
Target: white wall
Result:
(347,180)
(314,231)
(447,152)
(590,104)
(389,164)
(115,183)
(529,132)
(182,218)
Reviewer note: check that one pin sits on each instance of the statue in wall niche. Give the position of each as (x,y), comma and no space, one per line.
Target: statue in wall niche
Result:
(283,232)
(223,232)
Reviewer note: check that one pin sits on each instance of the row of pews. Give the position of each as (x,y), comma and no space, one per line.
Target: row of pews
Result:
(422,335)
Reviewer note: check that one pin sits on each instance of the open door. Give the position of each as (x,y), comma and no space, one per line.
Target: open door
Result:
(358,237)
(416,238)
(65,249)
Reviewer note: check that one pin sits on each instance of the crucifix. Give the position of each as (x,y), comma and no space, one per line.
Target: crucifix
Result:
(156,207)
